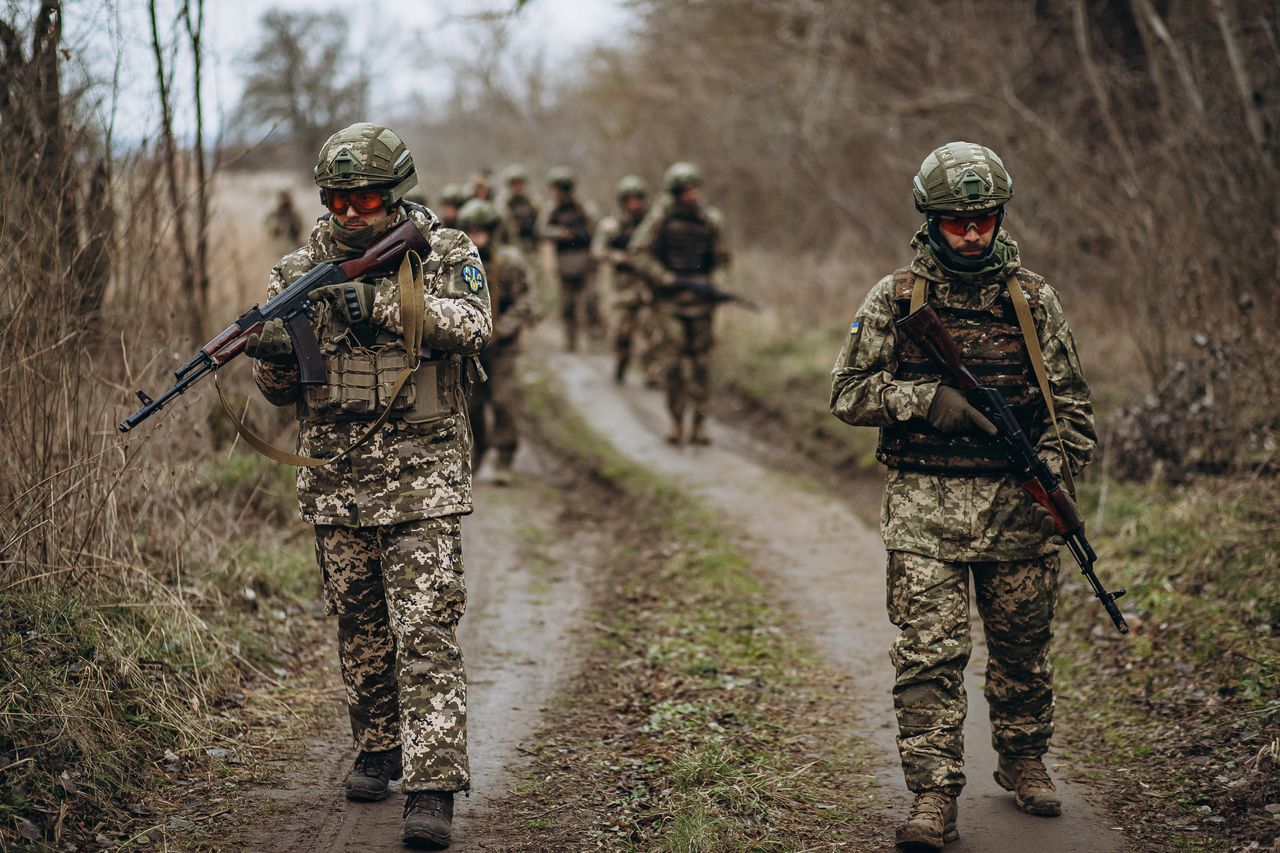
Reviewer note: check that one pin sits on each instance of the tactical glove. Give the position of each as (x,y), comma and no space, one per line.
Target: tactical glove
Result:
(1044,521)
(951,412)
(272,344)
(354,299)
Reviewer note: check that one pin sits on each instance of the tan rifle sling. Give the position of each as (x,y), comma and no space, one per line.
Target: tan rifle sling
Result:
(919,292)
(412,304)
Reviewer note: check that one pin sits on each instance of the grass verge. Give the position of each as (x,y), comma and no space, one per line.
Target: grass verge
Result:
(699,722)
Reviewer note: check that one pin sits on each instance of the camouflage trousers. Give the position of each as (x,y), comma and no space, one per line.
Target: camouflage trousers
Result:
(636,330)
(498,396)
(398,593)
(929,602)
(685,355)
(579,308)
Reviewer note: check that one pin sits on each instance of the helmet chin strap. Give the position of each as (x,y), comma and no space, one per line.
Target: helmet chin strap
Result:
(949,257)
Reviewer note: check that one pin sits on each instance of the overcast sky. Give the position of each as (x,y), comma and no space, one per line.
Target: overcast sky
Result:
(115,36)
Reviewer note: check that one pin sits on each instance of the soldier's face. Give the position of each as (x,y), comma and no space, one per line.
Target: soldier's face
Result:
(691,195)
(969,235)
(352,214)
(516,187)
(633,203)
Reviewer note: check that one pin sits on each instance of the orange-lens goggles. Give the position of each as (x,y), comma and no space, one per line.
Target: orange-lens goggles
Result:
(364,201)
(959,225)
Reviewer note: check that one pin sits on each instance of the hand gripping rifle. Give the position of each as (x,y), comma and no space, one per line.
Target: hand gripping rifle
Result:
(292,306)
(924,327)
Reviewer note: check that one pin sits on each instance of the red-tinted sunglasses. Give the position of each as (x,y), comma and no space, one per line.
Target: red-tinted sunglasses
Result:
(959,225)
(364,201)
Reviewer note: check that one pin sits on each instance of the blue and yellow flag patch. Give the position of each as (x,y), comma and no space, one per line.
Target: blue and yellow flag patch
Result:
(473,278)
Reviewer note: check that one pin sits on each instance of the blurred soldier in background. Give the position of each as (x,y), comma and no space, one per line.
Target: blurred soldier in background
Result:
(387,509)
(680,249)
(452,198)
(480,185)
(513,311)
(952,508)
(519,211)
(632,297)
(566,225)
(417,196)
(284,223)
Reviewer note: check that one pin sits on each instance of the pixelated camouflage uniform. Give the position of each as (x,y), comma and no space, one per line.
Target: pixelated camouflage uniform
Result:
(513,312)
(568,226)
(678,240)
(635,326)
(388,534)
(941,525)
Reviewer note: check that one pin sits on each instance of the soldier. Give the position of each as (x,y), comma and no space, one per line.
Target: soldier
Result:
(951,507)
(519,211)
(452,198)
(682,240)
(631,295)
(566,225)
(387,514)
(284,222)
(513,311)
(480,185)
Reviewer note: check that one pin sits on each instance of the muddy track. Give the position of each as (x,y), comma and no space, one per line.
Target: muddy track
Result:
(527,588)
(828,568)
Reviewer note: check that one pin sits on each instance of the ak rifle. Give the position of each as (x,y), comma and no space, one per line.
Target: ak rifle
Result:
(925,328)
(293,307)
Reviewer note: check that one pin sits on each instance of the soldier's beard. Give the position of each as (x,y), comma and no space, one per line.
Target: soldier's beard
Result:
(360,238)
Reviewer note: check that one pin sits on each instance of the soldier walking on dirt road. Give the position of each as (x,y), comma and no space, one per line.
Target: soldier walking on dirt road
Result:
(632,299)
(951,507)
(680,249)
(567,225)
(387,514)
(513,312)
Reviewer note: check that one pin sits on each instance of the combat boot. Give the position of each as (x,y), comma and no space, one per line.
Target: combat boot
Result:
(931,823)
(1033,790)
(699,435)
(428,819)
(369,780)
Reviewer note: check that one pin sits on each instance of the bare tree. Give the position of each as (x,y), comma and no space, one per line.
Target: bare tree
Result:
(303,79)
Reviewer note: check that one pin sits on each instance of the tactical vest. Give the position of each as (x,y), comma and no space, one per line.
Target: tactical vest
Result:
(686,245)
(360,374)
(991,345)
(626,229)
(525,216)
(571,217)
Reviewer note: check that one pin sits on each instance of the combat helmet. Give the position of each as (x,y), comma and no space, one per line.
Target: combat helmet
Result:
(562,177)
(961,177)
(514,172)
(366,155)
(479,213)
(681,176)
(632,185)
(454,194)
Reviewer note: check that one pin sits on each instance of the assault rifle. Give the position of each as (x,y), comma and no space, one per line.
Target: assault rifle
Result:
(704,289)
(924,327)
(292,306)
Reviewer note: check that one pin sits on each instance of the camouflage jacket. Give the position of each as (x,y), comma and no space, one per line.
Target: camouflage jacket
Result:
(404,472)
(525,239)
(629,287)
(981,518)
(513,308)
(645,250)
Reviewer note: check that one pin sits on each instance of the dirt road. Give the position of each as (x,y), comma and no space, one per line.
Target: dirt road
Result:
(828,566)
(527,587)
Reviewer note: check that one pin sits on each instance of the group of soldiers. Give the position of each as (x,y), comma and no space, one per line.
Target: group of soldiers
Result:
(390,461)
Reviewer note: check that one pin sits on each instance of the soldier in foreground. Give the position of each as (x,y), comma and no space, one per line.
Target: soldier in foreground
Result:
(519,211)
(452,198)
(387,514)
(566,225)
(513,311)
(951,507)
(631,296)
(680,249)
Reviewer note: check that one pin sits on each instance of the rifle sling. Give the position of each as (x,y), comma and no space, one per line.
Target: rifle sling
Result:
(919,292)
(412,317)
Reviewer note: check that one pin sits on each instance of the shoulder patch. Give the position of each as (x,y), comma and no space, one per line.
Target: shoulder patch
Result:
(473,277)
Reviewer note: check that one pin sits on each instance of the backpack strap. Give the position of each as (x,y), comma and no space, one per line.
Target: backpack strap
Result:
(919,293)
